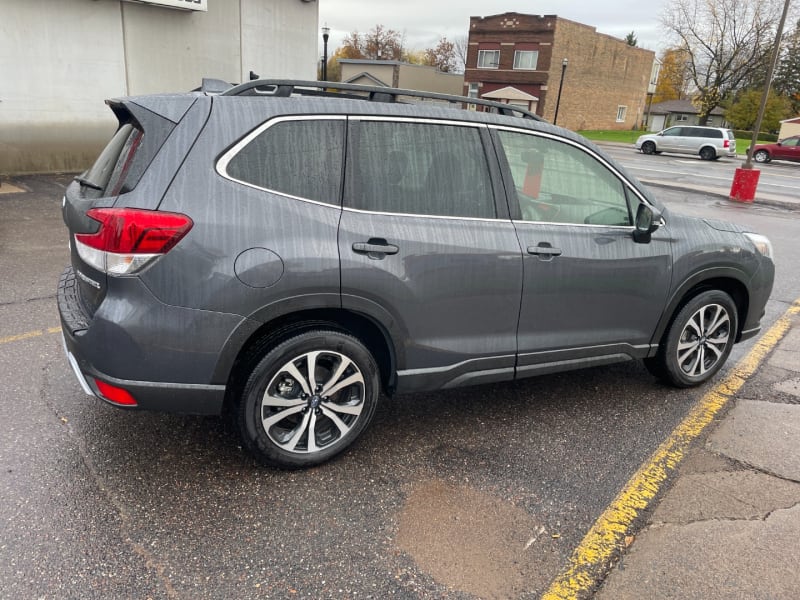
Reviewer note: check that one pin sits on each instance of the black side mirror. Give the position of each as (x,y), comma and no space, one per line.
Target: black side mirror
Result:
(646,223)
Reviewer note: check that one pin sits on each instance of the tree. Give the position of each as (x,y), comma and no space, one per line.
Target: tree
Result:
(727,42)
(631,39)
(377,44)
(787,75)
(742,112)
(442,56)
(673,77)
(461,44)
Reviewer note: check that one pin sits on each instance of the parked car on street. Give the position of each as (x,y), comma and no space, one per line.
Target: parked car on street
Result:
(710,143)
(286,252)
(786,149)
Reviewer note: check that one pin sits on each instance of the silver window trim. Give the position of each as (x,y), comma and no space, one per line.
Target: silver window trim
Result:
(223,162)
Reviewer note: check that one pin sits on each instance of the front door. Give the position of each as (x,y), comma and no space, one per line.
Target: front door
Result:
(591,294)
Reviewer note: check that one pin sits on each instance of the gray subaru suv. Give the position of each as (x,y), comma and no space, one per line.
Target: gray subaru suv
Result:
(287,253)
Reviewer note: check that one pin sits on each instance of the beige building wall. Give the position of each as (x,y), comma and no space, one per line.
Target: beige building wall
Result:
(403,75)
(61,59)
(789,128)
(603,74)
(417,77)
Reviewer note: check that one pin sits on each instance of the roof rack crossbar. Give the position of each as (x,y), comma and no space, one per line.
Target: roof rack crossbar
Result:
(284,88)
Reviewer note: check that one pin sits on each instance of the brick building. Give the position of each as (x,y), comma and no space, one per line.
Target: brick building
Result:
(520,59)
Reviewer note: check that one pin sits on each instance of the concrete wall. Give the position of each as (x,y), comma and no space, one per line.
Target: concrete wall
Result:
(60,59)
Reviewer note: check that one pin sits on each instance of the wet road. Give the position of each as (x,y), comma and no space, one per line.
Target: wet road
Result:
(478,492)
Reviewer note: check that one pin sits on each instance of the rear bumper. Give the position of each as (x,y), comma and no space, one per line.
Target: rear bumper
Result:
(114,343)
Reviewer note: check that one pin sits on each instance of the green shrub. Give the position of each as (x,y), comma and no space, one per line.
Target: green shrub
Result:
(748,135)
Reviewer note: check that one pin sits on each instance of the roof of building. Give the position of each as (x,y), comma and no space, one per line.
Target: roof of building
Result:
(366,75)
(509,93)
(792,120)
(680,106)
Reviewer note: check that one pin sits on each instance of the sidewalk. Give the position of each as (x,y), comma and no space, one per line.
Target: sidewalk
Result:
(729,527)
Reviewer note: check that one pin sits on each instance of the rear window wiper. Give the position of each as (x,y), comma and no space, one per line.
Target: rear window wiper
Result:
(87,183)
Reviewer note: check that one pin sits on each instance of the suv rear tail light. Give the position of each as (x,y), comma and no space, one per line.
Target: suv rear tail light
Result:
(129,239)
(726,144)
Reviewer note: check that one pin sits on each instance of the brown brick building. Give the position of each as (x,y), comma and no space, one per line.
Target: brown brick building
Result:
(519,59)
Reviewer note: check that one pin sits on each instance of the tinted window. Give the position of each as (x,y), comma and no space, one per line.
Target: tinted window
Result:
(112,166)
(418,168)
(299,158)
(559,183)
(704,133)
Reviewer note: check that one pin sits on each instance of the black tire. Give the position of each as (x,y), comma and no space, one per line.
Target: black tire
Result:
(698,342)
(761,156)
(283,403)
(649,148)
(708,153)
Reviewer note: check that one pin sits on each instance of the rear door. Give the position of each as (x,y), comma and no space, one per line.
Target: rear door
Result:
(427,249)
(591,294)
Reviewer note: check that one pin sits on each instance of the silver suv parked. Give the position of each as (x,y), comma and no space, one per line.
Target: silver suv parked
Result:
(710,143)
(289,251)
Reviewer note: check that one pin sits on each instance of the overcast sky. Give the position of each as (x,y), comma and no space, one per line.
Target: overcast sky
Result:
(424,21)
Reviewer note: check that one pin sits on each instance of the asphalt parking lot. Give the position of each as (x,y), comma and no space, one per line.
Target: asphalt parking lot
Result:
(478,492)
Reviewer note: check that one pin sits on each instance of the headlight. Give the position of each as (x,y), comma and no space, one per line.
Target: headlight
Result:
(762,244)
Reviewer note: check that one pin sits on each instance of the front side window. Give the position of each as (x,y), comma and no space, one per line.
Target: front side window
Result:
(673,131)
(419,169)
(488,59)
(526,59)
(301,158)
(556,182)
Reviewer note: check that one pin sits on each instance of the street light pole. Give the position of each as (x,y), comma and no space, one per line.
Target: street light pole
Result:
(564,64)
(326,31)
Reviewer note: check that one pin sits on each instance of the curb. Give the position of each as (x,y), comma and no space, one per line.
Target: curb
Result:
(773,202)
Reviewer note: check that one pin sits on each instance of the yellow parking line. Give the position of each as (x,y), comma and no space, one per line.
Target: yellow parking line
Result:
(592,557)
(28,335)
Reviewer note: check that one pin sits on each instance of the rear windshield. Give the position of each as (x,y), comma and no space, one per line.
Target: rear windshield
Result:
(110,172)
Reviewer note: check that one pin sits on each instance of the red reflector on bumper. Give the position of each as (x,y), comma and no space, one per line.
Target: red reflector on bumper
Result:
(115,394)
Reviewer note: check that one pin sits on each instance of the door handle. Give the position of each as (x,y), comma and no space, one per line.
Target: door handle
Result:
(376,247)
(544,250)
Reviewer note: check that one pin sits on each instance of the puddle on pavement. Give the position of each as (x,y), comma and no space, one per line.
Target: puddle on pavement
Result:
(475,542)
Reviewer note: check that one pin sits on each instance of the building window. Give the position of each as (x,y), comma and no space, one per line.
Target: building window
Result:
(488,59)
(621,112)
(681,118)
(526,59)
(473,90)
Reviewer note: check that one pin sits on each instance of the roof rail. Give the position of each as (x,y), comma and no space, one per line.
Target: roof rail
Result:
(284,88)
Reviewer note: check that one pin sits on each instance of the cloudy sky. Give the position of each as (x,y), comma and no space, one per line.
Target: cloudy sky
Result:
(424,21)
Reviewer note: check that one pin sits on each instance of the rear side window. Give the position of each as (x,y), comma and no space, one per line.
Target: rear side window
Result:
(301,158)
(112,168)
(419,169)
